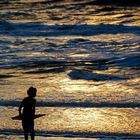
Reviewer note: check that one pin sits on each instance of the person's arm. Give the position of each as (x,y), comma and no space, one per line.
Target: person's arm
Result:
(34,107)
(20,108)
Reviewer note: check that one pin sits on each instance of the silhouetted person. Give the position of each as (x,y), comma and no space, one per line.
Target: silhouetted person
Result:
(28,113)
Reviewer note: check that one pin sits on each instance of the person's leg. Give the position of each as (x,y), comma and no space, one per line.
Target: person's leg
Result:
(25,128)
(26,135)
(32,133)
(32,136)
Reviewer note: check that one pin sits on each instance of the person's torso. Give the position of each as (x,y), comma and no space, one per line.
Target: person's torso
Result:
(28,107)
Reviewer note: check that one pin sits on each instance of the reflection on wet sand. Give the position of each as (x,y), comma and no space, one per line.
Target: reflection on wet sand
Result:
(84,60)
(74,121)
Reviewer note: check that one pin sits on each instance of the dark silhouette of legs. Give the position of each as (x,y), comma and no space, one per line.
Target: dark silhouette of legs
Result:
(32,136)
(32,130)
(26,135)
(28,127)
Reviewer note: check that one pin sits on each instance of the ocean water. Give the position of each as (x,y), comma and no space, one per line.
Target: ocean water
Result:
(84,60)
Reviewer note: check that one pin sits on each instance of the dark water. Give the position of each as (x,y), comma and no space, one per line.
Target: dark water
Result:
(84,60)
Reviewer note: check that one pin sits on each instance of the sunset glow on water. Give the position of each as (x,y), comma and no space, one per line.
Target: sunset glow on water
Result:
(84,60)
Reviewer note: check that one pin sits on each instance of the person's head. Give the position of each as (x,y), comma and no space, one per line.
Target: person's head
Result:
(31,92)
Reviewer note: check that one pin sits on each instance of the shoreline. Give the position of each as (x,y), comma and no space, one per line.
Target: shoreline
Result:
(70,134)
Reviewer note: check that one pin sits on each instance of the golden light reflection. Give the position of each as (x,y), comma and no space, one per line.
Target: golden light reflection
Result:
(60,87)
(79,55)
(94,120)
(113,120)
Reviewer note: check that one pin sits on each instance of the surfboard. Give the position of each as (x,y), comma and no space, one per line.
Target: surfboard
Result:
(20,117)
